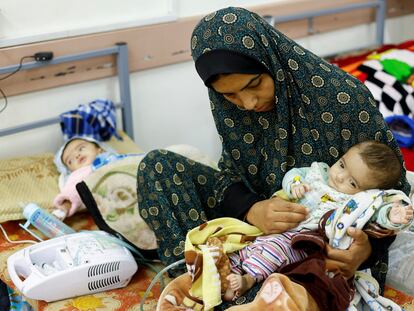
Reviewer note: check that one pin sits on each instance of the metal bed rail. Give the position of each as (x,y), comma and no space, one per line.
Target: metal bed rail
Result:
(121,52)
(380,6)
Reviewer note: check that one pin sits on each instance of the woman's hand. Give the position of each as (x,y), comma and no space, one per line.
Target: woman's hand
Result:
(348,261)
(276,215)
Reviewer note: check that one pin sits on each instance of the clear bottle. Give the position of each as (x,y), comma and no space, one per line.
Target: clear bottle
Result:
(46,223)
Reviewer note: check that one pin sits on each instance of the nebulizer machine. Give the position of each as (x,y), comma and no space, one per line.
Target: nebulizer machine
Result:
(70,263)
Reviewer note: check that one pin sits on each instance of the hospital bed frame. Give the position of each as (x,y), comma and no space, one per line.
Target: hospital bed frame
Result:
(120,50)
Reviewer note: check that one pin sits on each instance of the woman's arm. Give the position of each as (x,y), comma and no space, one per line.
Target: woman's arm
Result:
(365,252)
(276,215)
(271,216)
(238,200)
(348,261)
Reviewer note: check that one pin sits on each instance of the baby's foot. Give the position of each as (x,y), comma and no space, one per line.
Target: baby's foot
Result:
(235,281)
(229,295)
(400,214)
(234,284)
(271,297)
(239,284)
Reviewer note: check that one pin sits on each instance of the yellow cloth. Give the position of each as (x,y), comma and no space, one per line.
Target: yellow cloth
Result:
(234,235)
(282,194)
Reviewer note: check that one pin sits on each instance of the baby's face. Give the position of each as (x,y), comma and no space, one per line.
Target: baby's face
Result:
(350,174)
(79,153)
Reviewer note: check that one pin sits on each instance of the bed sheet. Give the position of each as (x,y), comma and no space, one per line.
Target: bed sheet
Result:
(122,299)
(127,298)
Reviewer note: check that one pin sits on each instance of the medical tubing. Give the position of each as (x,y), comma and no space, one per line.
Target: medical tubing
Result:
(140,260)
(15,241)
(155,279)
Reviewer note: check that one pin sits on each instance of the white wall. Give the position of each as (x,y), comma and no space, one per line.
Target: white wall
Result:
(170,104)
(49,19)
(56,19)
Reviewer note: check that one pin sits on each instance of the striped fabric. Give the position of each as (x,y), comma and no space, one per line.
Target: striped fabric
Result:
(266,255)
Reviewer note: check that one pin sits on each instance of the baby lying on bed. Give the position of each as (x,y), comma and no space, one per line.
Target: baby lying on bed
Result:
(76,160)
(80,156)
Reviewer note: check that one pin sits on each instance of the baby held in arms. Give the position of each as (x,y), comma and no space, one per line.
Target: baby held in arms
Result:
(367,165)
(76,160)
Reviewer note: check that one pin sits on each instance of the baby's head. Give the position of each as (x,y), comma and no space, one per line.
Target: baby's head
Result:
(79,153)
(367,165)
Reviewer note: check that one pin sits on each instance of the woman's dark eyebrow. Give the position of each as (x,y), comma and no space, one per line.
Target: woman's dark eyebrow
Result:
(247,85)
(251,81)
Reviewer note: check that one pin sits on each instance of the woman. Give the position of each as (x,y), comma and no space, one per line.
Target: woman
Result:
(276,106)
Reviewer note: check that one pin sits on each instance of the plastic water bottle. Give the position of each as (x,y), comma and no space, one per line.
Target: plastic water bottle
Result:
(46,223)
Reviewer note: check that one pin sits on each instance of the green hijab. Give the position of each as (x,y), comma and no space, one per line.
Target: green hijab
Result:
(320,110)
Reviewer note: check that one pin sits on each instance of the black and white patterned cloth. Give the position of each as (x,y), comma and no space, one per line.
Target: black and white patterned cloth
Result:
(392,96)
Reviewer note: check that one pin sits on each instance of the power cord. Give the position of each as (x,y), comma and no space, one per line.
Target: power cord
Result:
(18,68)
(17,241)
(40,57)
(5,101)
(155,279)
(8,76)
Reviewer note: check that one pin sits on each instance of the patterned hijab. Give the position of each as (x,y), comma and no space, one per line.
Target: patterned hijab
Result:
(320,111)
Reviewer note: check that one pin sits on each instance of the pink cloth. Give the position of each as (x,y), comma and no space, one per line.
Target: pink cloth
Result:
(69,192)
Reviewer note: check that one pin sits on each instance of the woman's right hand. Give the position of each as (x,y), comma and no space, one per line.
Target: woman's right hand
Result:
(276,215)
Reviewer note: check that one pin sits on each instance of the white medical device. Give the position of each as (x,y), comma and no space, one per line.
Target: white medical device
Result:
(71,265)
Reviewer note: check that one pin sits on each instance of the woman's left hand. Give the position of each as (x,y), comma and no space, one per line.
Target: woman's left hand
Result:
(348,261)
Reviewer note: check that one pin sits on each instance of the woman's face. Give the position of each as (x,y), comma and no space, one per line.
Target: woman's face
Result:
(249,91)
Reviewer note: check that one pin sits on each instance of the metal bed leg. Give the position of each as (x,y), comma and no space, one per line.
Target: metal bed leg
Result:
(380,19)
(125,92)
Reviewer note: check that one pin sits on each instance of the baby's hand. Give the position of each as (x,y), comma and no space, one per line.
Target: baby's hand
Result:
(298,191)
(62,206)
(59,213)
(400,214)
